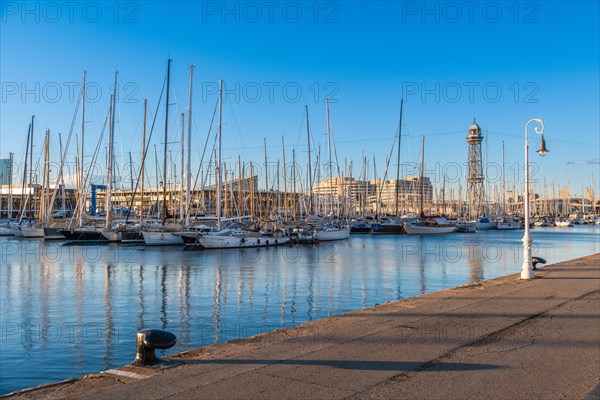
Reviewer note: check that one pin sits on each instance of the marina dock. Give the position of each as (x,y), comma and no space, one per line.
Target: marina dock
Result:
(502,338)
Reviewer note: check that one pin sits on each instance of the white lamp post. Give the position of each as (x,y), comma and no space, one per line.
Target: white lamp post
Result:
(527,271)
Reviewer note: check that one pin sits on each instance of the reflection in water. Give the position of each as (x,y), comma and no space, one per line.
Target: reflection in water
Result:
(141,307)
(217,305)
(163,291)
(275,287)
(44,302)
(476,265)
(109,328)
(79,293)
(28,311)
(183,285)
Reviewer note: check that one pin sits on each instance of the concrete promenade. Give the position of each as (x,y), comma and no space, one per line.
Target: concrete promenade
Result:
(499,339)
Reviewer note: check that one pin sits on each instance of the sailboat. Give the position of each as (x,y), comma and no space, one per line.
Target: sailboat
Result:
(392,226)
(164,235)
(329,232)
(428,225)
(225,238)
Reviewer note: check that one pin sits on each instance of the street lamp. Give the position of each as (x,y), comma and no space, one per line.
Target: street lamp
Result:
(527,271)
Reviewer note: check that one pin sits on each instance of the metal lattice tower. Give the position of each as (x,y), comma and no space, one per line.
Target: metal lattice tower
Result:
(475,171)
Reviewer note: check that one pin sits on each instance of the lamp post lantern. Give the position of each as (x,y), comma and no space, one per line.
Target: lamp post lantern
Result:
(527,270)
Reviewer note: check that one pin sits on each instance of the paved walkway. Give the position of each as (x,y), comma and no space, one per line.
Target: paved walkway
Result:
(499,339)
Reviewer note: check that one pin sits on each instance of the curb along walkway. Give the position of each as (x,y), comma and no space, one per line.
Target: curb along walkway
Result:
(498,339)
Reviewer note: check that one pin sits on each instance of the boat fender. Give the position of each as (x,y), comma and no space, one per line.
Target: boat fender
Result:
(267,242)
(242,241)
(276,242)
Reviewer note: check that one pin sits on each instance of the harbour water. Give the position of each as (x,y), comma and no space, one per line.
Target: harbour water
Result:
(67,311)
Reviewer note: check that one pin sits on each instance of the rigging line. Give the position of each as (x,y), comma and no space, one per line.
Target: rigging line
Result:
(65,151)
(387,163)
(91,167)
(146,147)
(202,157)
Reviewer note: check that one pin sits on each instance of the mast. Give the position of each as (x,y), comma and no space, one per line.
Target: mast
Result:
(30,171)
(398,166)
(109,168)
(294,181)
(218,166)
(422,175)
(181,198)
(45,182)
(188,172)
(62,179)
(130,176)
(503,184)
(285,199)
(22,205)
(10,192)
(241,210)
(252,189)
(81,183)
(266,180)
(164,194)
(329,154)
(310,189)
(143,162)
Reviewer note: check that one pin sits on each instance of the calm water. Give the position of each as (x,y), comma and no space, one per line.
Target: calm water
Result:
(67,311)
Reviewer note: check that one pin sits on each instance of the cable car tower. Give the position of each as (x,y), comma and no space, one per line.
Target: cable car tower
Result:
(475,172)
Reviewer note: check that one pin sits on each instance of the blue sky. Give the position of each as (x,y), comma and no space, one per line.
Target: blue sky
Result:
(502,63)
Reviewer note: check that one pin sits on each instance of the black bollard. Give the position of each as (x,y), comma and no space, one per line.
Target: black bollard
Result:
(537,260)
(147,341)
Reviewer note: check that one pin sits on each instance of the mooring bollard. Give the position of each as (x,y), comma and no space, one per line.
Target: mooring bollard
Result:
(147,341)
(537,260)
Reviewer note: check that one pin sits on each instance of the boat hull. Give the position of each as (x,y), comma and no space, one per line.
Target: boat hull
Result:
(84,235)
(387,229)
(233,242)
(6,231)
(329,235)
(428,230)
(507,226)
(132,237)
(53,234)
(486,226)
(162,239)
(32,231)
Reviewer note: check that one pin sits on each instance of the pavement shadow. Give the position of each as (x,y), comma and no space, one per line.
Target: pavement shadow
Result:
(357,365)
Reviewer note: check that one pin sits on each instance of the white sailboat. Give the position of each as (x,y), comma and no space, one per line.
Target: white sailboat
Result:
(428,225)
(165,235)
(225,239)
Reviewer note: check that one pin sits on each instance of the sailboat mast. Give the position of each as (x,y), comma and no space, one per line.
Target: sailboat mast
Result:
(182,192)
(218,166)
(188,171)
(329,154)
(422,175)
(285,194)
(29,195)
(81,183)
(266,179)
(503,184)
(294,181)
(164,194)
(398,158)
(45,182)
(310,194)
(25,173)
(109,168)
(10,179)
(143,162)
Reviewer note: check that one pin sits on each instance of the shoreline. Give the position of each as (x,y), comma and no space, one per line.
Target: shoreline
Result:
(424,325)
